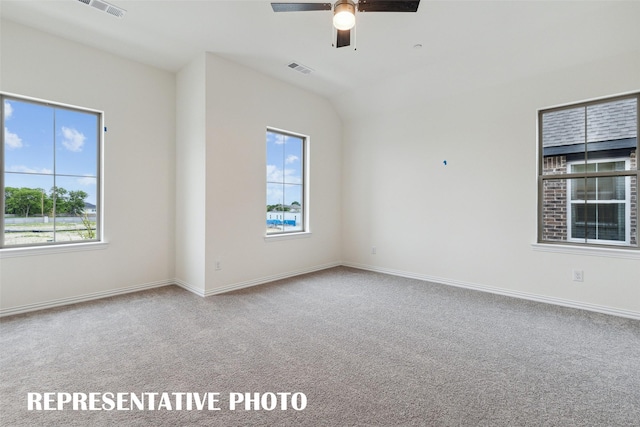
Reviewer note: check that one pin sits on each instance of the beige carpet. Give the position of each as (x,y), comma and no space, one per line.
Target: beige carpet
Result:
(366,349)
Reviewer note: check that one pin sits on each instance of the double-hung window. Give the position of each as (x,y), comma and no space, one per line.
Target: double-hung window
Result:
(588,173)
(50,173)
(598,206)
(286,183)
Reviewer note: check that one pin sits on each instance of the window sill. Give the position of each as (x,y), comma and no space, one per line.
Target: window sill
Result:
(287,236)
(587,250)
(53,249)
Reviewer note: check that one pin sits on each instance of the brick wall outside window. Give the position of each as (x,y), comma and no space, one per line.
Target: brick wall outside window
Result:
(554,200)
(634,200)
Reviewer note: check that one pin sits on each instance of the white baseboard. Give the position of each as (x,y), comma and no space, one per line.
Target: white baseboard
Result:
(499,291)
(188,287)
(254,282)
(249,283)
(82,298)
(120,291)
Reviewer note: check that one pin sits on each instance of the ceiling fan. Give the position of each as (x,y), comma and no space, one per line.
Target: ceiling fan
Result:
(344,12)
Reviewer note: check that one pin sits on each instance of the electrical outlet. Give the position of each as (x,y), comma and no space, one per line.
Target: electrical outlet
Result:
(218,265)
(374,250)
(578,276)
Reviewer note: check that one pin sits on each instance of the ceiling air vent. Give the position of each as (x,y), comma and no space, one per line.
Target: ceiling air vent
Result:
(105,7)
(300,68)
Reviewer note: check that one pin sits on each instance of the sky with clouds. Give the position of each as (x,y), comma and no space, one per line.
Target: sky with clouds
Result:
(46,146)
(284,169)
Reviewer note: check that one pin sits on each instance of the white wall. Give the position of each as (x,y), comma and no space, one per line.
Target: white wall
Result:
(240,105)
(472,222)
(139,198)
(184,176)
(191,175)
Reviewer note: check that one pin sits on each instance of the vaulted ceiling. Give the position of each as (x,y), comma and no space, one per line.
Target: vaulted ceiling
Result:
(447,46)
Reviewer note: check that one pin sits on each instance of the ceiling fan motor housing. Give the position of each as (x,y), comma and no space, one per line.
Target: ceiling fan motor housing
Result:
(344,5)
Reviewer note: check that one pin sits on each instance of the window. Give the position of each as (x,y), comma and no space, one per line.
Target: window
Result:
(588,173)
(598,206)
(286,188)
(50,173)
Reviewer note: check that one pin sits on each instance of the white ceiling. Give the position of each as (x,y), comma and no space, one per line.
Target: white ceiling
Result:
(465,44)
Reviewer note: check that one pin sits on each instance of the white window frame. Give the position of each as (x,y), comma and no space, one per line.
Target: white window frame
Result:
(627,202)
(10,251)
(306,230)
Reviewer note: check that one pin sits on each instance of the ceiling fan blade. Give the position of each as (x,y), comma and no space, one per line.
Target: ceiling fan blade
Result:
(344,38)
(299,7)
(388,5)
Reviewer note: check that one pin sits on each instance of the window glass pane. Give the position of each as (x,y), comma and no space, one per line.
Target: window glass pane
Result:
(275,204)
(275,196)
(600,188)
(609,166)
(563,135)
(293,206)
(579,220)
(614,126)
(578,187)
(590,189)
(69,229)
(611,188)
(28,209)
(582,167)
(75,194)
(293,160)
(610,222)
(554,209)
(614,120)
(598,221)
(75,208)
(595,221)
(275,157)
(554,165)
(579,168)
(76,144)
(28,137)
(563,127)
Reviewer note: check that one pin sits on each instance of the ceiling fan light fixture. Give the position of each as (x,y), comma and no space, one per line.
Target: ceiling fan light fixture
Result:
(344,15)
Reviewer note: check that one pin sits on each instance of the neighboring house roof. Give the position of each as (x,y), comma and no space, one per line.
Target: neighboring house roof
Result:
(89,205)
(611,125)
